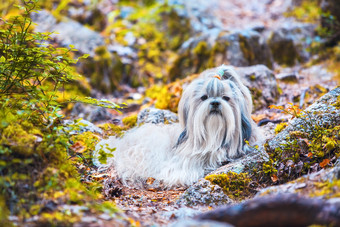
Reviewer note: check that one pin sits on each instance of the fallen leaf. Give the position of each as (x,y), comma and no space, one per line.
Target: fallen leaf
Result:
(324,163)
(258,117)
(150,180)
(310,155)
(307,142)
(79,147)
(274,178)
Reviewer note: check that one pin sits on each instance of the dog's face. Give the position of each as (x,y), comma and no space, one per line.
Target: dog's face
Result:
(212,97)
(213,113)
(210,111)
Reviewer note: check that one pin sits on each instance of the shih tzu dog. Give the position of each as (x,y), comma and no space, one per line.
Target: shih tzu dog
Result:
(214,124)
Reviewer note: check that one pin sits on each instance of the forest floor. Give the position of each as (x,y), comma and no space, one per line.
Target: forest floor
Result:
(152,207)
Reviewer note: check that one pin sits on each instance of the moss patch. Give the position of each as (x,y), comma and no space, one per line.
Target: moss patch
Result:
(246,49)
(327,190)
(280,127)
(256,97)
(308,11)
(130,121)
(237,186)
(337,103)
(284,50)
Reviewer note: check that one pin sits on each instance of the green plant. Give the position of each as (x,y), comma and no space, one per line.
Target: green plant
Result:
(308,11)
(36,155)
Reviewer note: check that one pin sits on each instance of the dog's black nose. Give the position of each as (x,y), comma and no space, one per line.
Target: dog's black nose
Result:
(215,104)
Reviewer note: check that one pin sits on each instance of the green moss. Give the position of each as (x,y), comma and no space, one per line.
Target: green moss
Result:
(19,139)
(201,48)
(4,213)
(284,52)
(337,103)
(236,185)
(328,189)
(307,11)
(217,54)
(113,130)
(246,49)
(166,97)
(256,96)
(280,127)
(130,121)
(161,31)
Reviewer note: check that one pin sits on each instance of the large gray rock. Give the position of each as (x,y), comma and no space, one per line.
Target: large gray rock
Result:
(322,113)
(262,84)
(105,66)
(216,47)
(81,126)
(309,142)
(200,13)
(91,113)
(200,223)
(204,193)
(289,43)
(306,185)
(156,116)
(68,32)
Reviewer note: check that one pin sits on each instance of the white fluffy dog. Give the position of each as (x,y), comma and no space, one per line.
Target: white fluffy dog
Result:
(215,120)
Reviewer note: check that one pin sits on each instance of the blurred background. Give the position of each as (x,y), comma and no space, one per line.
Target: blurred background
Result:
(137,47)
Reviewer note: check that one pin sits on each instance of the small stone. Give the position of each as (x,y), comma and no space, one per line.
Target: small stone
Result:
(199,223)
(156,116)
(105,217)
(88,219)
(287,77)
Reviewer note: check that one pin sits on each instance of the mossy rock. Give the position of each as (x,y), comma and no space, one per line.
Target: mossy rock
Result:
(105,70)
(21,139)
(235,185)
(309,143)
(289,45)
(283,49)
(210,50)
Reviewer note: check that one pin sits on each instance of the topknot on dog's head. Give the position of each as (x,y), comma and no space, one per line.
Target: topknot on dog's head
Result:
(222,72)
(225,72)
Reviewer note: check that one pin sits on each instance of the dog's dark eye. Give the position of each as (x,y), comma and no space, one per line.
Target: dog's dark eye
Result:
(226,98)
(204,97)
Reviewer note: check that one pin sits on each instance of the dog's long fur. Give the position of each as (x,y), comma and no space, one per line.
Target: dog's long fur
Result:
(215,120)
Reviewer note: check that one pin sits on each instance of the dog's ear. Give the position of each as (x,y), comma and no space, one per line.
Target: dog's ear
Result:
(182,137)
(246,126)
(245,121)
(185,112)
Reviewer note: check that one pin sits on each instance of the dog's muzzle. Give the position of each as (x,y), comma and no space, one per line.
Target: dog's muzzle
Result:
(215,107)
